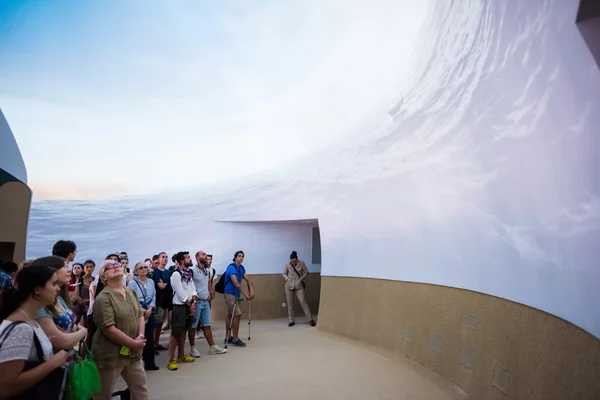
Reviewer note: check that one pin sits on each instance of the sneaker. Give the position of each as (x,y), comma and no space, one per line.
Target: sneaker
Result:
(152,368)
(216,350)
(160,347)
(194,352)
(312,323)
(172,366)
(186,359)
(199,335)
(291,324)
(238,342)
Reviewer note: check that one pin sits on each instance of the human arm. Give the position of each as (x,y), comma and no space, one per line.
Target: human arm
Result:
(179,293)
(76,297)
(303,271)
(285,272)
(105,320)
(15,351)
(250,286)
(60,339)
(235,282)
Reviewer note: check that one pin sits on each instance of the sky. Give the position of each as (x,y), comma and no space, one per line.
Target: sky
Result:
(111,98)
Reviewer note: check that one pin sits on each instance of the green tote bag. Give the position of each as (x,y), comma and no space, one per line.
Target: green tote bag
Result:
(83,380)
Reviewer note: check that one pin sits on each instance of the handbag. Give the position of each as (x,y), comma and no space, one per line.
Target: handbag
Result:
(83,379)
(51,385)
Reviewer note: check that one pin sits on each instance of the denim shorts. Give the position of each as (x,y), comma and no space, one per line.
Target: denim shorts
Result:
(202,314)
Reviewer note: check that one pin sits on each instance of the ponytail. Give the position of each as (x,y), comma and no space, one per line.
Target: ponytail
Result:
(10,300)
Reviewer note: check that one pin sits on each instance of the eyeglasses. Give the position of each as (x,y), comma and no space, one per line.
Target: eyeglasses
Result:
(113,266)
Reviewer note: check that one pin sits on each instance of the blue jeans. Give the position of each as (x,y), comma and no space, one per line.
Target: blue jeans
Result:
(202,314)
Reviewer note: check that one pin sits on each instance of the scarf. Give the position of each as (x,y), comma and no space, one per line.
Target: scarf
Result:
(186,275)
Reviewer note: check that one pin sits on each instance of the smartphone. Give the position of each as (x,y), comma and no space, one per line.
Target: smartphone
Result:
(124,351)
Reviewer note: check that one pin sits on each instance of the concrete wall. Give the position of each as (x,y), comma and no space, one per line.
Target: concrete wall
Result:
(482,347)
(270,295)
(15,199)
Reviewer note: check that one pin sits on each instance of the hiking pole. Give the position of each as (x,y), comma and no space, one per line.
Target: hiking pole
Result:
(230,323)
(249,310)
(249,317)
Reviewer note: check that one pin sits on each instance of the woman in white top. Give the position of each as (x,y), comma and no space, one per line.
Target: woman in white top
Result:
(36,286)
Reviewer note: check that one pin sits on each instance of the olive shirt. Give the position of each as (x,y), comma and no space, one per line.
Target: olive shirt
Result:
(110,308)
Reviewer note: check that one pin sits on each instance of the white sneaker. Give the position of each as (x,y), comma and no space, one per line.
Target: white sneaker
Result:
(216,350)
(194,352)
(199,335)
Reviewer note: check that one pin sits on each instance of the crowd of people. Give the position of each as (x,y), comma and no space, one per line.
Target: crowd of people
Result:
(119,313)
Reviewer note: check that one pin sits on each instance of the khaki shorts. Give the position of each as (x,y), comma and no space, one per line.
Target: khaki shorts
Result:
(161,315)
(230,301)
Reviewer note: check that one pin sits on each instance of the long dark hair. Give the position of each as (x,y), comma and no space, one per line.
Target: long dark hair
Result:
(26,282)
(56,262)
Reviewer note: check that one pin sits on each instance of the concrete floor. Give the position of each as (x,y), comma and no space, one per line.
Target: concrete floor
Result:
(289,363)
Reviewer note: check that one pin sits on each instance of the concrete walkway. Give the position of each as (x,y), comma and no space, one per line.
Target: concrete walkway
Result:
(286,363)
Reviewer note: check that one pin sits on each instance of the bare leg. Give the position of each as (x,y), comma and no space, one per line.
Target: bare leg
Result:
(208,335)
(236,326)
(227,326)
(172,345)
(192,336)
(181,343)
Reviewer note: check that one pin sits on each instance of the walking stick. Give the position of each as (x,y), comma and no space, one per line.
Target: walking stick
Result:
(249,311)
(249,317)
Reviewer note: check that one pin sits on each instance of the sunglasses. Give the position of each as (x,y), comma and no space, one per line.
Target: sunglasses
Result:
(144,267)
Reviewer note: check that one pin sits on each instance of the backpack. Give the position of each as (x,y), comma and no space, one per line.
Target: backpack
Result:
(220,286)
(169,293)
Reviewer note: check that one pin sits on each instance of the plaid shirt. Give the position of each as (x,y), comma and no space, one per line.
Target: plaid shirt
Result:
(5,280)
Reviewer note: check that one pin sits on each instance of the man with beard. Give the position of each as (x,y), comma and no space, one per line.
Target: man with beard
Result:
(184,298)
(212,278)
(200,276)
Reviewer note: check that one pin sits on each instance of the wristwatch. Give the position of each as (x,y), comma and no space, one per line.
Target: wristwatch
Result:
(142,336)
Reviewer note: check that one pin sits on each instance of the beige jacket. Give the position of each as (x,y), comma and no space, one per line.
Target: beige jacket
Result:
(292,280)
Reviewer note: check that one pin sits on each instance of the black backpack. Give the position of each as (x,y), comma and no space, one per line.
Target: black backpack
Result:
(220,286)
(167,301)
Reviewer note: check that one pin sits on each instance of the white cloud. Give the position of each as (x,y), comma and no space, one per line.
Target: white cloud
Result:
(170,106)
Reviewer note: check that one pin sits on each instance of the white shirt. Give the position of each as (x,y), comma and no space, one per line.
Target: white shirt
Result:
(19,344)
(182,290)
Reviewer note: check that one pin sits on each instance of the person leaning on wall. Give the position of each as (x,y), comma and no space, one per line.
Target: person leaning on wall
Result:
(294,273)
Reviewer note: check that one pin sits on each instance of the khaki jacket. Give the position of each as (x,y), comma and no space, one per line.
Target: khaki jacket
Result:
(292,280)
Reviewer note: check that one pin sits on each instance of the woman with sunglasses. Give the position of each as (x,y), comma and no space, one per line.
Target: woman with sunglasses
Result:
(119,341)
(144,287)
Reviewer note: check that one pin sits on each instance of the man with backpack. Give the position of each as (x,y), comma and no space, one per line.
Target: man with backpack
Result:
(184,307)
(230,284)
(201,276)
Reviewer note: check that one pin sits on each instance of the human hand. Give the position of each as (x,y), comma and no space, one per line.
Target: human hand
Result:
(251,295)
(59,358)
(138,345)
